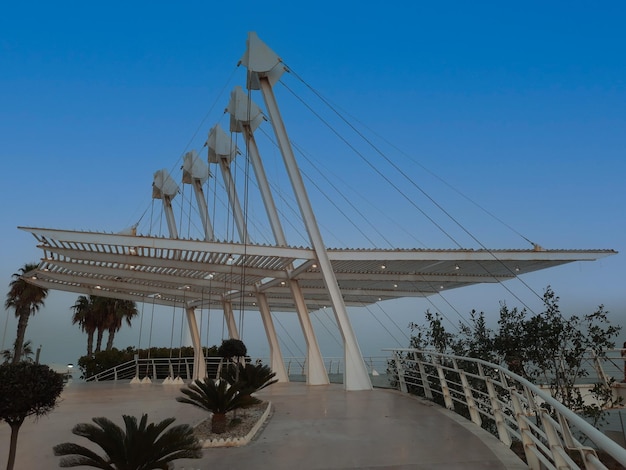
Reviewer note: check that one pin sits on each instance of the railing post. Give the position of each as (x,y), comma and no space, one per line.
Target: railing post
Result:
(498,416)
(154,370)
(554,442)
(469,398)
(187,370)
(400,370)
(525,433)
(445,390)
(115,373)
(428,393)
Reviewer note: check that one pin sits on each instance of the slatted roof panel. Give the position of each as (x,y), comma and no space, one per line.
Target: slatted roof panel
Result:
(199,273)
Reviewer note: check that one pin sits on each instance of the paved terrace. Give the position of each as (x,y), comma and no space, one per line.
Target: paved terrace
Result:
(320,427)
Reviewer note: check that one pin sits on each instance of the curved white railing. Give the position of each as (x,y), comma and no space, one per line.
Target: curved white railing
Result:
(508,405)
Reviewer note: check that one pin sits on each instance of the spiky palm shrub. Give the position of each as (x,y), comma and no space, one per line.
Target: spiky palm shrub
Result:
(253,377)
(218,397)
(138,447)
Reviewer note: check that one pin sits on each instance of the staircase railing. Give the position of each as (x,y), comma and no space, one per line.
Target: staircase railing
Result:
(512,408)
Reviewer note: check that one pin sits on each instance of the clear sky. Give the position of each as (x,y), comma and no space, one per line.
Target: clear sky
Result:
(520,107)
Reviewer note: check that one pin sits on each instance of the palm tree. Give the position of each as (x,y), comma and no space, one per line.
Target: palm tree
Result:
(27,351)
(253,377)
(217,397)
(117,312)
(26,299)
(85,314)
(138,447)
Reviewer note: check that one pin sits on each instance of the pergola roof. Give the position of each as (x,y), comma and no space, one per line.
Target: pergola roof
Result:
(198,273)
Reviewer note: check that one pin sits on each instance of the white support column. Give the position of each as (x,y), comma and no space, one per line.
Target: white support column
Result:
(199,364)
(230,319)
(222,152)
(196,173)
(164,188)
(316,372)
(245,117)
(277,363)
(355,375)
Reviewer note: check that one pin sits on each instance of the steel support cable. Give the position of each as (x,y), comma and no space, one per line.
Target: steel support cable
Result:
(383,325)
(290,337)
(439,178)
(143,303)
(344,196)
(349,219)
(288,203)
(336,206)
(348,201)
(150,335)
(430,301)
(373,167)
(326,328)
(246,184)
(404,175)
(182,326)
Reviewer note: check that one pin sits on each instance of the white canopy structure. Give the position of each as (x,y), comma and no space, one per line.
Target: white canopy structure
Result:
(278,277)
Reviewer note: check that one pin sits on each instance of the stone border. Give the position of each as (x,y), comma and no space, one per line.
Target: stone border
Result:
(239,441)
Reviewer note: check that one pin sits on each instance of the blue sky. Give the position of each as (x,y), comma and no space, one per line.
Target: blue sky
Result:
(520,107)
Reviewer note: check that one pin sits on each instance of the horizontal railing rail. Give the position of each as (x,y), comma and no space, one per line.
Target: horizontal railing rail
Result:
(506,404)
(162,368)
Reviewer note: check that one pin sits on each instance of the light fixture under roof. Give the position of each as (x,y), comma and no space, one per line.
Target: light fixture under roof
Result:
(457,267)
(382,266)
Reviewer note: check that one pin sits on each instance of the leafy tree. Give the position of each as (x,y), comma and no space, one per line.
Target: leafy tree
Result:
(218,397)
(104,360)
(545,348)
(26,299)
(137,447)
(232,348)
(26,389)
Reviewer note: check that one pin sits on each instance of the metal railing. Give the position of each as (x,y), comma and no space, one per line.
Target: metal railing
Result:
(156,369)
(161,368)
(507,405)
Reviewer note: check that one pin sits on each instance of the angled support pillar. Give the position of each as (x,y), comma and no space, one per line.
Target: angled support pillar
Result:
(199,364)
(264,69)
(245,118)
(276,357)
(315,371)
(230,319)
(196,173)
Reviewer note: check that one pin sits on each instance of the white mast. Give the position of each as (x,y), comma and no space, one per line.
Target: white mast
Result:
(164,188)
(264,69)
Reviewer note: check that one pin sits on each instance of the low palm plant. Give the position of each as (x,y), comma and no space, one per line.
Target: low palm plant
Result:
(252,377)
(138,447)
(218,397)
